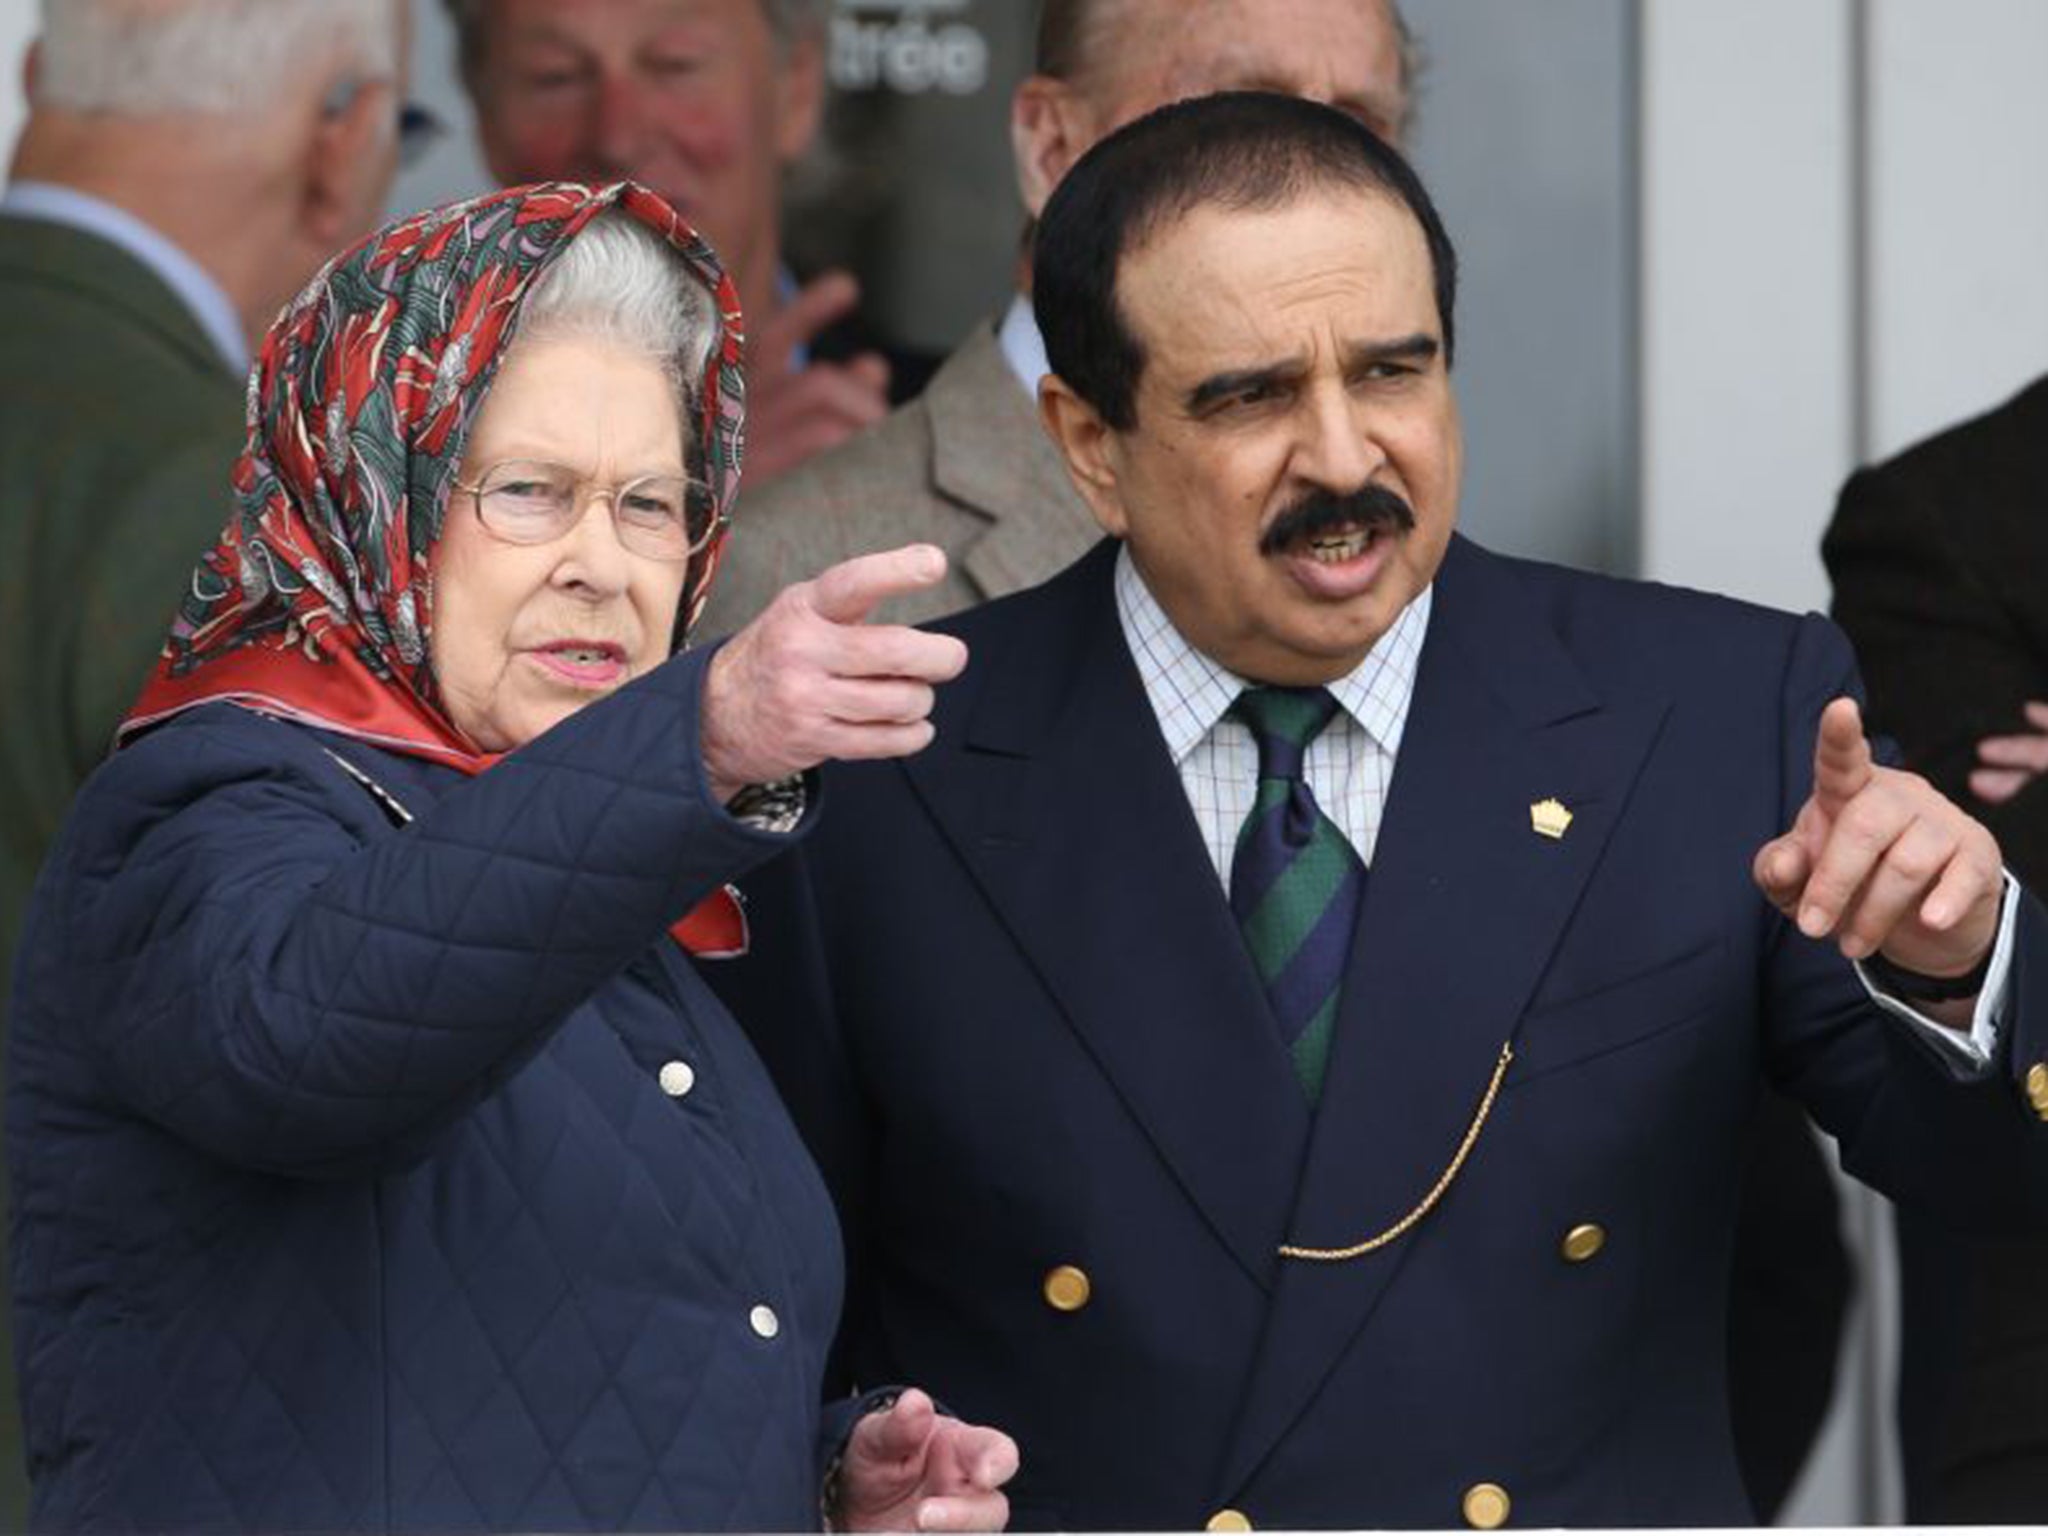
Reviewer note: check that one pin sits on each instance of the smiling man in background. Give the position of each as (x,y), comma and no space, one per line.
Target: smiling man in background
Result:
(708,102)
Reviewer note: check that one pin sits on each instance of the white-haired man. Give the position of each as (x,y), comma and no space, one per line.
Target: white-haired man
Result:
(708,102)
(185,167)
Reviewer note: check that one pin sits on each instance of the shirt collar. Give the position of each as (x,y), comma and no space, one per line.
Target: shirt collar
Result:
(194,287)
(1190,692)
(1023,347)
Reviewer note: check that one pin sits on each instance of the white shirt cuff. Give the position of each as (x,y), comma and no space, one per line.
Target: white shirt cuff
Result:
(1977,1048)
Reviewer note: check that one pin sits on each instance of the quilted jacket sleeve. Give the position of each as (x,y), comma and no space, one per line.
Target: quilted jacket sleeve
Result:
(258,965)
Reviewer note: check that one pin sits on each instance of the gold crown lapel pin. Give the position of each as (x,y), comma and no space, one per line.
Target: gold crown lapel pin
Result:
(1549,818)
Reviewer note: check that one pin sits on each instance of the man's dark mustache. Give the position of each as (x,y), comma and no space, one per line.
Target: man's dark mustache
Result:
(1370,507)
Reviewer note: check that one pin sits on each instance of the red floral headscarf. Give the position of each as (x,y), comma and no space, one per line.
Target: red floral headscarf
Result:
(314,604)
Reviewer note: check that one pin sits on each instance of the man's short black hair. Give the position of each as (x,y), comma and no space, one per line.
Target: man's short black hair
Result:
(1246,150)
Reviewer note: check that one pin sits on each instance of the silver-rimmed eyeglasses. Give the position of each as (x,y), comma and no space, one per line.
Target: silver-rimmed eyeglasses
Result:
(528,501)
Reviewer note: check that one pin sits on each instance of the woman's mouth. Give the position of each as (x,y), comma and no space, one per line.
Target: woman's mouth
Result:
(583,663)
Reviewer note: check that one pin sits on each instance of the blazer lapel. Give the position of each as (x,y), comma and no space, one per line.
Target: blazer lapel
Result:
(1063,802)
(1465,903)
(990,455)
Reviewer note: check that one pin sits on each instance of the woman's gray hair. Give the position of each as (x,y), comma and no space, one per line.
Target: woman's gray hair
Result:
(145,57)
(619,282)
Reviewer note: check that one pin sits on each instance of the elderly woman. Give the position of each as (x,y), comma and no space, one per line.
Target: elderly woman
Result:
(379,1159)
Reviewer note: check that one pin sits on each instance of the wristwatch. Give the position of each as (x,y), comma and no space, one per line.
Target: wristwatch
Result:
(1919,987)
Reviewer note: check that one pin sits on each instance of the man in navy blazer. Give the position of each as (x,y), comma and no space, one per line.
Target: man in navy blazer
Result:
(1457,1250)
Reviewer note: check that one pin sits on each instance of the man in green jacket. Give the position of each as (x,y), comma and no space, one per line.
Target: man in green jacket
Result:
(177,180)
(183,170)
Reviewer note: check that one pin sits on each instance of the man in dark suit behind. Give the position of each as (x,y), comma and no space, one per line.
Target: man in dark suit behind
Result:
(1319,969)
(1940,564)
(708,102)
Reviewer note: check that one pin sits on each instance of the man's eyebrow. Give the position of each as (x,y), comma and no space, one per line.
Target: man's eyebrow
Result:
(1419,348)
(1221,385)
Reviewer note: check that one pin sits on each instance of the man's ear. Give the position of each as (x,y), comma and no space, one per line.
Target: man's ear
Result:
(348,163)
(1051,127)
(799,96)
(1088,445)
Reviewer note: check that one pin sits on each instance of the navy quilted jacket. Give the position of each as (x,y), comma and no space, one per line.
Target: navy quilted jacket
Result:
(370,1177)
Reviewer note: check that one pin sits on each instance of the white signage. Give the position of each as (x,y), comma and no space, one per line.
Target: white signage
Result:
(910,47)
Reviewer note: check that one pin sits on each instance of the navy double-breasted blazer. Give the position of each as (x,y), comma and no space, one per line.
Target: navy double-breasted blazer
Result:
(1003,992)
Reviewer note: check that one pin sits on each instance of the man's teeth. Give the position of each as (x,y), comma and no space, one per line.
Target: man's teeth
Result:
(582,655)
(1334,548)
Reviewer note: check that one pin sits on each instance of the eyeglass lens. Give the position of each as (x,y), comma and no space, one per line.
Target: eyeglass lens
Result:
(666,517)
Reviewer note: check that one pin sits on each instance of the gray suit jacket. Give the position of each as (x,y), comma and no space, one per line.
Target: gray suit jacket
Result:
(964,466)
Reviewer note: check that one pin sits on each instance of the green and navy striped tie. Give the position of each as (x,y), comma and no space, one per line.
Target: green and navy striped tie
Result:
(1295,881)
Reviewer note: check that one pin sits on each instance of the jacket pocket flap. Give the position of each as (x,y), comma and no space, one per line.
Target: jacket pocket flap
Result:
(1616,1013)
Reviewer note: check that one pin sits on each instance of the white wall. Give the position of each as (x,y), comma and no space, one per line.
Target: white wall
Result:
(1957,240)
(1745,292)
